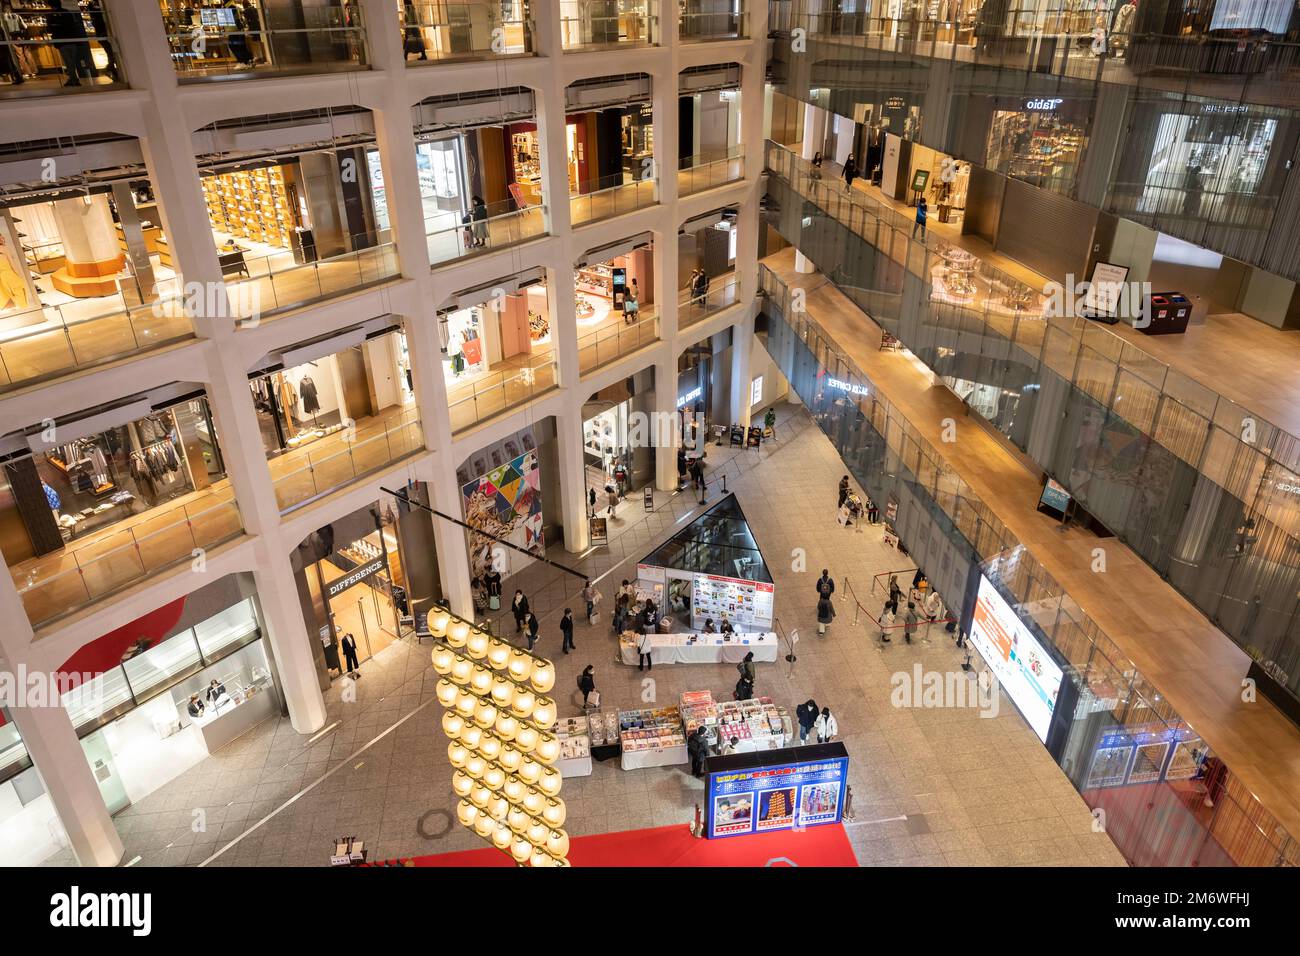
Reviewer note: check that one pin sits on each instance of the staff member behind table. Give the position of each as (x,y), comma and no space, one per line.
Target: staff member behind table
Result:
(725,627)
(708,626)
(649,616)
(216,690)
(195,707)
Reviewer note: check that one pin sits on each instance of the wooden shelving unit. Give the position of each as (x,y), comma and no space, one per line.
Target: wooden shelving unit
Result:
(252,204)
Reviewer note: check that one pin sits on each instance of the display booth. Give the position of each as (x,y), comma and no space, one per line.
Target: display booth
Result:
(711,570)
(787,789)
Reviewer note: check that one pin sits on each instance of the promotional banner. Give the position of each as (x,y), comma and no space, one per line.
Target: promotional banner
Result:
(779,797)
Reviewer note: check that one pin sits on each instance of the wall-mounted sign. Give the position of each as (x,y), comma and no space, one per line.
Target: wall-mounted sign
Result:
(690,396)
(842,386)
(356,576)
(776,796)
(1044,105)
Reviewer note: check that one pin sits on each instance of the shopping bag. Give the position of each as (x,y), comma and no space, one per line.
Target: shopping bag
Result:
(593,700)
(595,618)
(494,602)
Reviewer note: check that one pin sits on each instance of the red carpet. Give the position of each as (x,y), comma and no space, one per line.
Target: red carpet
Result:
(674,846)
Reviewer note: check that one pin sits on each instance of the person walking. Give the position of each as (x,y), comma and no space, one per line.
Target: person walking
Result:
(825,584)
(844,492)
(631,306)
(697,746)
(895,592)
(591,502)
(492,581)
(592,596)
(587,684)
(519,607)
(566,631)
(64,24)
(910,620)
(806,714)
(697,474)
(817,165)
(612,494)
(746,668)
(850,171)
(887,621)
(825,613)
(769,421)
(644,645)
(350,652)
(921,210)
(531,625)
(826,726)
(479,215)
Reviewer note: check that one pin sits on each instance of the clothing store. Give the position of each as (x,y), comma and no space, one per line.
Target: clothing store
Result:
(500,322)
(104,469)
(367,374)
(1038,139)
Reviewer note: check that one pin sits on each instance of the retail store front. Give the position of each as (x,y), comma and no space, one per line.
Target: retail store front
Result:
(165,691)
(112,496)
(1040,140)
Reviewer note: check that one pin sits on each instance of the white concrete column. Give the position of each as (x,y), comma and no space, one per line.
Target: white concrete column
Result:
(814,134)
(439,474)
(573,480)
(666,277)
(277,593)
(52,742)
(663,106)
(551,135)
(561,300)
(667,433)
(742,339)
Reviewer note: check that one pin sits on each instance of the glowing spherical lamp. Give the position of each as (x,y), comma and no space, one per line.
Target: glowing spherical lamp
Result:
(471,736)
(477,644)
(498,808)
(466,813)
(503,692)
(534,802)
(442,659)
(457,753)
(498,654)
(530,771)
(521,849)
(510,758)
(501,836)
(543,676)
(520,666)
(506,727)
(452,724)
(557,842)
(438,622)
(548,749)
(517,820)
(461,669)
(466,704)
(484,825)
(544,712)
(555,812)
(481,681)
(485,715)
(475,766)
(494,778)
(537,833)
(527,738)
(523,703)
(550,782)
(490,746)
(458,633)
(462,783)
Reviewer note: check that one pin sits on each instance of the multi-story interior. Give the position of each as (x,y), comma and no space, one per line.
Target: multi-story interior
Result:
(297,292)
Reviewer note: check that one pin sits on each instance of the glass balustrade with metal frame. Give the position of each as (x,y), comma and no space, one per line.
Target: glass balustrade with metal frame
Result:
(714,20)
(696,305)
(615,341)
(260,285)
(500,391)
(707,170)
(443,32)
(611,196)
(499,225)
(605,24)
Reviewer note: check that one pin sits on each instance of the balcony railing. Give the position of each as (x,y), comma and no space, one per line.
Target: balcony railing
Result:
(309,472)
(45,51)
(156,541)
(504,226)
(611,196)
(434,32)
(261,285)
(291,38)
(729,22)
(613,342)
(497,392)
(1238,830)
(693,307)
(56,340)
(599,24)
(707,170)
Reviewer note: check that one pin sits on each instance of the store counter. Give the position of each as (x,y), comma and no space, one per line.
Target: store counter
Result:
(230,719)
(704,649)
(657,757)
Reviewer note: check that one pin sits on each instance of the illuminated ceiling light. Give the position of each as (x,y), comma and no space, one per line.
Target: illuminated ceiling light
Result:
(447,692)
(471,736)
(544,712)
(477,644)
(481,681)
(550,782)
(537,833)
(490,746)
(479,795)
(521,849)
(461,669)
(498,654)
(520,666)
(466,813)
(540,858)
(457,753)
(503,692)
(485,715)
(502,836)
(452,724)
(557,843)
(543,676)
(484,825)
(458,633)
(494,778)
(475,766)
(506,727)
(527,739)
(555,813)
(534,802)
(498,808)
(462,783)
(523,703)
(442,659)
(466,704)
(510,758)
(530,771)
(517,820)
(548,750)
(438,622)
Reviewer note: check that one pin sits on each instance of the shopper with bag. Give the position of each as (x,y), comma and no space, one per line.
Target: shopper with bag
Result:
(844,492)
(587,685)
(887,621)
(825,584)
(806,714)
(826,726)
(746,668)
(825,613)
(530,623)
(492,580)
(910,620)
(566,631)
(644,645)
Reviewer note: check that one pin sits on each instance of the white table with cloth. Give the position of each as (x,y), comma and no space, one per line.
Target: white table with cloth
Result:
(704,649)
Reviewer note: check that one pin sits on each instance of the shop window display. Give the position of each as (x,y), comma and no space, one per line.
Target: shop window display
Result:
(1040,142)
(1200,162)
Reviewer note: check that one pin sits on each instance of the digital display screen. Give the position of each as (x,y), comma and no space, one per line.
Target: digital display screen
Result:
(780,797)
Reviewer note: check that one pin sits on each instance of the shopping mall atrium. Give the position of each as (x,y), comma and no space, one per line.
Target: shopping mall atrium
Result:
(425,425)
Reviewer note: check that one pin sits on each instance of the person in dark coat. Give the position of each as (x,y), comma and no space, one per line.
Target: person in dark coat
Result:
(806,714)
(825,583)
(519,607)
(350,651)
(844,492)
(530,622)
(746,667)
(479,214)
(492,581)
(850,171)
(566,630)
(697,745)
(586,684)
(69,33)
(825,613)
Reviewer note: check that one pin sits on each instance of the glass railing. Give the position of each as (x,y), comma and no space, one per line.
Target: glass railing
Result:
(52,587)
(882,447)
(46,51)
(600,24)
(615,341)
(706,170)
(503,225)
(499,391)
(611,196)
(1243,572)
(307,473)
(694,306)
(56,340)
(261,285)
(433,32)
(289,37)
(728,23)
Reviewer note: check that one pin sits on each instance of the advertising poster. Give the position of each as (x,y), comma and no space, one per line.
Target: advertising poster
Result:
(781,797)
(747,604)
(1020,663)
(504,503)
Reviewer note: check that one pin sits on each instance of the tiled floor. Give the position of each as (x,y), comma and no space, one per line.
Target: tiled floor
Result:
(931,787)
